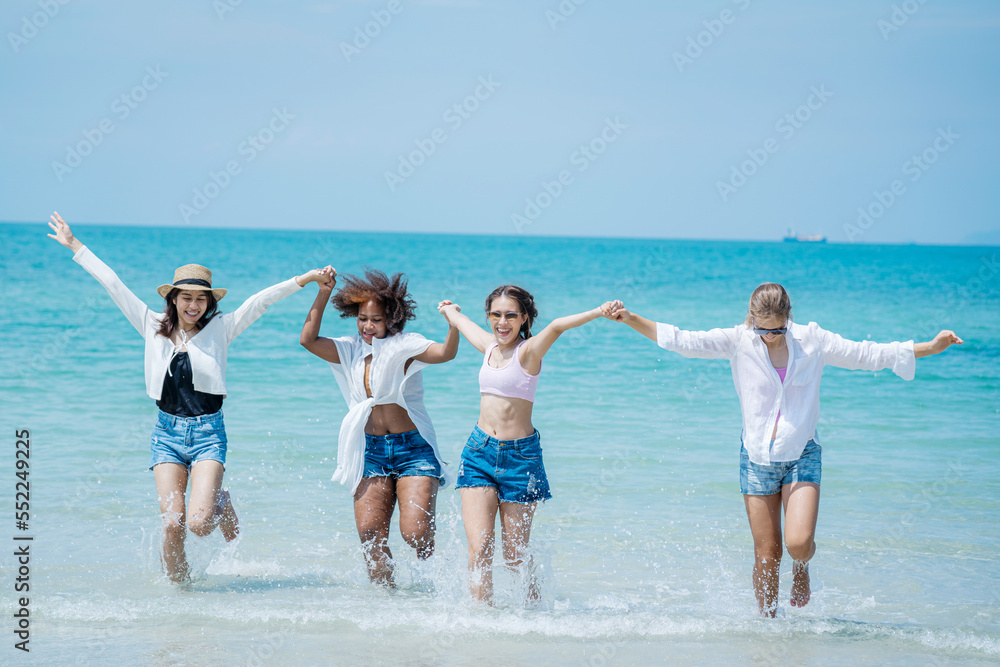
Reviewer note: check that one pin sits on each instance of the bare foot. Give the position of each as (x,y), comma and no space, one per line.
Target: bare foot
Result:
(229,524)
(800,584)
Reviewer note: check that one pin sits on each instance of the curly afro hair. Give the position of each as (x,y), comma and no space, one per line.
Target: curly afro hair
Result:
(390,293)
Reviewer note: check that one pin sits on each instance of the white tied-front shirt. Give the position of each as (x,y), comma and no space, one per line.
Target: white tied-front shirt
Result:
(207,350)
(762,393)
(389,383)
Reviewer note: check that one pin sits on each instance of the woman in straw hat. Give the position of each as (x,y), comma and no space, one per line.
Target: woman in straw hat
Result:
(185,362)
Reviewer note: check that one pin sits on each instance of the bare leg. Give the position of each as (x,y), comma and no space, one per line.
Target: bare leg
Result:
(206,482)
(374,502)
(764,514)
(479,514)
(229,523)
(515,525)
(801,501)
(171,484)
(417,497)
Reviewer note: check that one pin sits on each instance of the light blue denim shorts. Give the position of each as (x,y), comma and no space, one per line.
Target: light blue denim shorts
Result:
(187,440)
(766,480)
(400,455)
(513,467)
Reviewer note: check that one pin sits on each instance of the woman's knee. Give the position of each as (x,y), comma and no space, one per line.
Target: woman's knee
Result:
(173,525)
(373,533)
(200,525)
(417,536)
(800,547)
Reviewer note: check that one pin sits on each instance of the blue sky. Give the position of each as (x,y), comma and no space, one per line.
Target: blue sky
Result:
(869,122)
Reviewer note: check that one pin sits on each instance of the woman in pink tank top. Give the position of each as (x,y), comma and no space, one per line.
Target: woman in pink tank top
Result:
(501,469)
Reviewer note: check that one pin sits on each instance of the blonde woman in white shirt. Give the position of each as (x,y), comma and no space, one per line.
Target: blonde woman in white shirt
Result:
(776,367)
(185,366)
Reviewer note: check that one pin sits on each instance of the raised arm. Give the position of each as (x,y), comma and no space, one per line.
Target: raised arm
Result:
(256,305)
(939,344)
(475,334)
(438,353)
(535,347)
(134,308)
(324,348)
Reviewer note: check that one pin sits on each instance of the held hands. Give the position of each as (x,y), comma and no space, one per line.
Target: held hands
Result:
(326,278)
(63,234)
(615,310)
(447,308)
(609,308)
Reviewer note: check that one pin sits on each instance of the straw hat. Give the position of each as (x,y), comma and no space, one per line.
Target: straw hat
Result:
(192,277)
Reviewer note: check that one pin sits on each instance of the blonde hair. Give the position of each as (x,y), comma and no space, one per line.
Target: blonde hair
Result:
(768,301)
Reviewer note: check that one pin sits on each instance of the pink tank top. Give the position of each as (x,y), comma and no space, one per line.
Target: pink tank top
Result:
(511,381)
(781,374)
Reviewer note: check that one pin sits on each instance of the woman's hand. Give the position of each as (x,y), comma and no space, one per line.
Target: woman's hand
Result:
(326,277)
(941,342)
(63,234)
(609,308)
(446,307)
(618,312)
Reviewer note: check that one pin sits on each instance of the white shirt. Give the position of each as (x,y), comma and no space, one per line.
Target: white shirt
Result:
(389,384)
(763,395)
(207,349)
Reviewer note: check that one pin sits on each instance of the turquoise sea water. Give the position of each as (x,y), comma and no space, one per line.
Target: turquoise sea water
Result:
(645,551)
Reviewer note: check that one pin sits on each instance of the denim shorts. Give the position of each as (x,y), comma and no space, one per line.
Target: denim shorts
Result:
(400,455)
(513,467)
(187,440)
(766,480)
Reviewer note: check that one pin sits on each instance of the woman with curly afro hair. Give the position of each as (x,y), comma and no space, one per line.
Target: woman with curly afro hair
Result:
(387,450)
(501,469)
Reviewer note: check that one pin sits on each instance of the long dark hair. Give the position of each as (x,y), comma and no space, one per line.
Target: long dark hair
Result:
(169,321)
(523,298)
(390,293)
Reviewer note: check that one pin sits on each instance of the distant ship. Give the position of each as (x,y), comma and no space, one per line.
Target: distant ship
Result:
(791,237)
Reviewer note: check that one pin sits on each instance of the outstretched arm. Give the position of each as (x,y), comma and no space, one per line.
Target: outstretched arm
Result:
(256,305)
(324,348)
(939,344)
(536,346)
(475,334)
(646,327)
(438,353)
(713,344)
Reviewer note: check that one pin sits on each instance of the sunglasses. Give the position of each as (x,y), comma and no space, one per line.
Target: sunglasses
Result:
(496,316)
(764,332)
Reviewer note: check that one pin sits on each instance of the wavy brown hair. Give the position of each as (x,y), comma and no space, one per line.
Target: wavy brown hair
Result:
(169,321)
(523,298)
(389,293)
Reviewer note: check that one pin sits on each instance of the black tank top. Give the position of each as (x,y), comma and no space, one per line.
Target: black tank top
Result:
(179,396)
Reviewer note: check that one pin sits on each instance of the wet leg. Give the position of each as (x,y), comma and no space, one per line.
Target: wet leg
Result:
(764,514)
(374,502)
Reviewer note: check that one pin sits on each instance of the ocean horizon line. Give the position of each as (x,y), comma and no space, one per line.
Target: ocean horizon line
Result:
(565,237)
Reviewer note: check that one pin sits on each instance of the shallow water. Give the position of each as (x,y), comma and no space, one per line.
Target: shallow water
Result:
(644,551)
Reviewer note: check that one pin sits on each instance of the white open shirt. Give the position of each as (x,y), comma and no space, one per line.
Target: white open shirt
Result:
(762,393)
